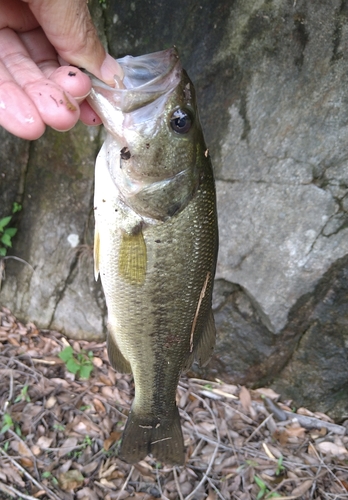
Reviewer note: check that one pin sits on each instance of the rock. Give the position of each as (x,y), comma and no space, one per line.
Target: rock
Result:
(317,373)
(58,290)
(271,79)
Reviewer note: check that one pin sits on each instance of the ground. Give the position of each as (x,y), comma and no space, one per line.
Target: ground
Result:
(60,433)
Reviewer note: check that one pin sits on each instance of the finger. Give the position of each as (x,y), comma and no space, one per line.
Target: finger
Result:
(71,79)
(18,113)
(87,115)
(69,27)
(55,106)
(16,15)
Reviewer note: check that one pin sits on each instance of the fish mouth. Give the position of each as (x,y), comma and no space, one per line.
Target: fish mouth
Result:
(146,78)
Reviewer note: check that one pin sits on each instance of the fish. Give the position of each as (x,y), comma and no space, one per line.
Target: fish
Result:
(156,242)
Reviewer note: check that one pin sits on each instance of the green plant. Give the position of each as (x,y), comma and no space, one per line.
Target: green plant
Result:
(280,467)
(48,475)
(8,423)
(7,233)
(264,491)
(84,407)
(23,396)
(80,363)
(6,446)
(87,442)
(59,427)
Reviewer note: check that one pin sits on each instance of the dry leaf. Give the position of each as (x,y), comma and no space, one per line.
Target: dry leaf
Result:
(295,431)
(106,470)
(68,446)
(50,402)
(245,399)
(65,466)
(26,462)
(270,393)
(114,436)
(44,442)
(301,490)
(108,484)
(86,494)
(90,468)
(12,475)
(23,449)
(52,416)
(39,493)
(108,392)
(98,405)
(71,480)
(332,448)
(60,381)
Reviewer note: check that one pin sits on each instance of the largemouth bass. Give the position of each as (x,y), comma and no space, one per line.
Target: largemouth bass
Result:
(155,242)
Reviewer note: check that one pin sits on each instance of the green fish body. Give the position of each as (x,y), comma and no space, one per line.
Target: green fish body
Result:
(156,242)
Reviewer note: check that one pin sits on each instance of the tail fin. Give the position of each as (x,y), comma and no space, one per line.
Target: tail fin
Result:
(160,436)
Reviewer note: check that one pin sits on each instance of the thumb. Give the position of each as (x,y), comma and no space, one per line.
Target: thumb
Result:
(69,27)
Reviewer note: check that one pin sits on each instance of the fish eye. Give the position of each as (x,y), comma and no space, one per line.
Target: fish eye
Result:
(181,121)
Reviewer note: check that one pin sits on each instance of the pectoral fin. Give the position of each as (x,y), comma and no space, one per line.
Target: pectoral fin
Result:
(133,258)
(96,252)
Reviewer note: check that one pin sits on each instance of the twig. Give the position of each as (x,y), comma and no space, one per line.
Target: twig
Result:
(6,488)
(303,420)
(202,481)
(159,482)
(315,423)
(10,396)
(214,487)
(124,486)
(29,476)
(177,483)
(18,438)
(244,417)
(323,464)
(207,439)
(258,428)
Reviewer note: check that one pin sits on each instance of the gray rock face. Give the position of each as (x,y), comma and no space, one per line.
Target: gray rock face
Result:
(58,290)
(271,78)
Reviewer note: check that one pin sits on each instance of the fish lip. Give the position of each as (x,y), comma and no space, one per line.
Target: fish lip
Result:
(146,78)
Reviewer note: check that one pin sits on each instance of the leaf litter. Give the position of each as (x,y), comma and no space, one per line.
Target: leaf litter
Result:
(60,433)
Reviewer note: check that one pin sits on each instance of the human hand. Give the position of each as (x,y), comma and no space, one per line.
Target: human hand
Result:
(36,36)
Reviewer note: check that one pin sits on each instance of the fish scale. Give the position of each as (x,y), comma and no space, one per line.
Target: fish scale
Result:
(155,247)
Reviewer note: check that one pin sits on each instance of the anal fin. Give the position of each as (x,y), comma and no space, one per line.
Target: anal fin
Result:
(96,252)
(206,344)
(116,358)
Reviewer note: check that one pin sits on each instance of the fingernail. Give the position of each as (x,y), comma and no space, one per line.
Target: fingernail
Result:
(110,69)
